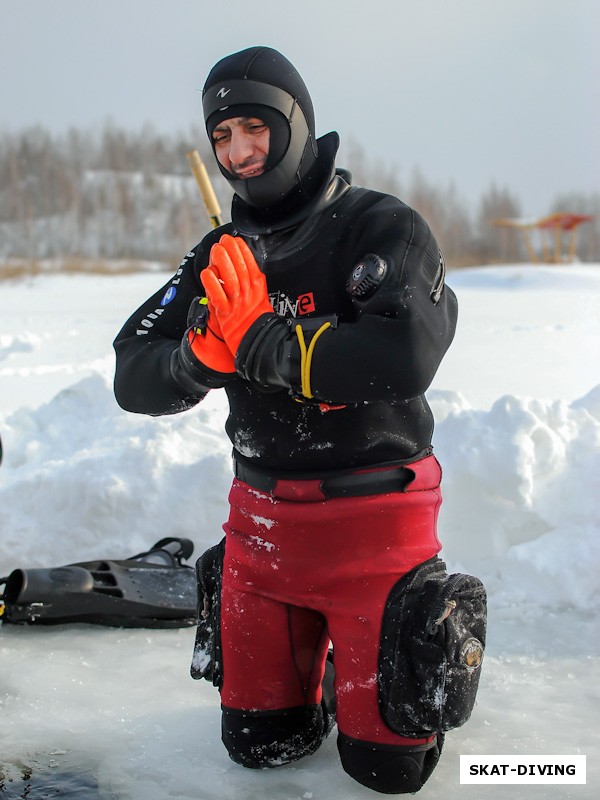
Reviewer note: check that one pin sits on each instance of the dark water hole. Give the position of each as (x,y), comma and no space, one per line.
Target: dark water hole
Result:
(52,776)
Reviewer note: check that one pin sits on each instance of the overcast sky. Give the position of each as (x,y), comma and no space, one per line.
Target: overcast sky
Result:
(468,91)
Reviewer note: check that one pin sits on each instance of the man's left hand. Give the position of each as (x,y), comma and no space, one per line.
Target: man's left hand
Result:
(236,288)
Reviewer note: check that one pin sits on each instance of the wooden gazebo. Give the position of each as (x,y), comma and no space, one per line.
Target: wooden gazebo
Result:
(552,228)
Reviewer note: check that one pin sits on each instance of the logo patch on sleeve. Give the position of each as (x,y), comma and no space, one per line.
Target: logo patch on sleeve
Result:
(168,295)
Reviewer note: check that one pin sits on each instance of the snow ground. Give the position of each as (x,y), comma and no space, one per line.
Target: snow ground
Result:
(517,405)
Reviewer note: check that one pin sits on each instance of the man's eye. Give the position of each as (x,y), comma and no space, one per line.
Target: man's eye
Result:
(221,138)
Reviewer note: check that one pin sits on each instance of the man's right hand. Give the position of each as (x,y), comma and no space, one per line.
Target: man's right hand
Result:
(202,361)
(205,338)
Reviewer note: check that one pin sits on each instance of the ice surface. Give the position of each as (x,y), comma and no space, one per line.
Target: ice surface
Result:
(517,405)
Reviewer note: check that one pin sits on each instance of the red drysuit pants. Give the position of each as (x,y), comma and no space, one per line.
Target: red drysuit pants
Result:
(299,573)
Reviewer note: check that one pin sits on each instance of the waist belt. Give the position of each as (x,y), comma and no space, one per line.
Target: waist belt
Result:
(382,480)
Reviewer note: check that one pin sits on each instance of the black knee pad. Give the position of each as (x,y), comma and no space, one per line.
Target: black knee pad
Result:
(432,644)
(258,739)
(389,769)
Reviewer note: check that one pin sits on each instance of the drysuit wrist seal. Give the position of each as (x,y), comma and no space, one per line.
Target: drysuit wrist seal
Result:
(192,375)
(265,356)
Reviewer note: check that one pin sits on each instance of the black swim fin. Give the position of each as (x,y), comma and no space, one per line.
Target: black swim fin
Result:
(150,590)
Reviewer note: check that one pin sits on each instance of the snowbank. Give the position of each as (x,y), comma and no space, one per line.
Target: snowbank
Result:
(83,479)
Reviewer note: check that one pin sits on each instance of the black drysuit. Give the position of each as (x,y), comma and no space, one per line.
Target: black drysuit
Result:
(377,361)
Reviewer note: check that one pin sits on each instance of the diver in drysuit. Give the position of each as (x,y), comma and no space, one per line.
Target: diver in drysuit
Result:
(322,310)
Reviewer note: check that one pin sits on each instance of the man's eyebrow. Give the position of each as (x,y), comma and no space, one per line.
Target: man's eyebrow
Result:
(238,121)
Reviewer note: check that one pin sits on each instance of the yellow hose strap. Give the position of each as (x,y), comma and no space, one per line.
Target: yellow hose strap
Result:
(306,355)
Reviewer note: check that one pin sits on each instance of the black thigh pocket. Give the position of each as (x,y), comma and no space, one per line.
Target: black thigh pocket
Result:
(206,660)
(432,643)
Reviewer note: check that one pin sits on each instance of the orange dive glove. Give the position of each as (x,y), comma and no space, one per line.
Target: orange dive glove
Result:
(236,288)
(205,338)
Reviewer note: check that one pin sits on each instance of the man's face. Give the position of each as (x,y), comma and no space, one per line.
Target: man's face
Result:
(242,146)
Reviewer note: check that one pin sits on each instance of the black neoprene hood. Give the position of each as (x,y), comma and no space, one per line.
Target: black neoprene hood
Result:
(261,82)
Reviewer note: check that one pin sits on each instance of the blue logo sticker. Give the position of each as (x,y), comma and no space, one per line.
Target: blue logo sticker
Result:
(168,296)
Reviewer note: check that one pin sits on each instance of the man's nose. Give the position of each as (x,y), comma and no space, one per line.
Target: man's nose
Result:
(241,146)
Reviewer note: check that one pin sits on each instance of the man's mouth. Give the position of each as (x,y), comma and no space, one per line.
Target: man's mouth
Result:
(249,170)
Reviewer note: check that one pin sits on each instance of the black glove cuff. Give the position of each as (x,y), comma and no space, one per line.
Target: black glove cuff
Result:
(194,376)
(267,355)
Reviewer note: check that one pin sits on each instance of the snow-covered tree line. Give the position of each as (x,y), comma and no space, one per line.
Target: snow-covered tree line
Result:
(105,194)
(120,194)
